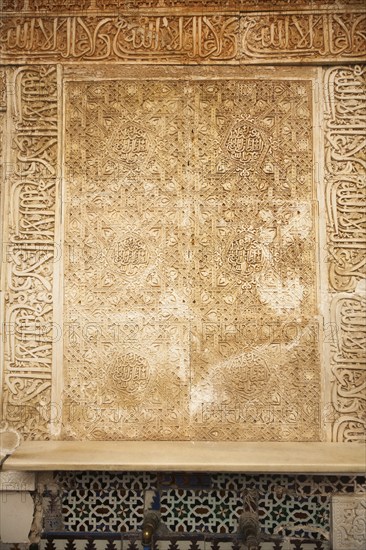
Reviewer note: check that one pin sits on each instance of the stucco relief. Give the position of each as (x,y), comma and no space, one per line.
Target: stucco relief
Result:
(345,165)
(189,38)
(223,267)
(31,170)
(189,220)
(2,89)
(349,522)
(345,169)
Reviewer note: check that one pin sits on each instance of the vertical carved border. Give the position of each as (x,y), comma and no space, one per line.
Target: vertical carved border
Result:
(30,253)
(3,107)
(345,189)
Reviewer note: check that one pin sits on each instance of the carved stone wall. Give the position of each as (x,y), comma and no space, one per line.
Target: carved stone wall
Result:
(181,218)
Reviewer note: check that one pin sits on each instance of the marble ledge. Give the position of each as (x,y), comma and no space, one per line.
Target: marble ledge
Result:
(261,457)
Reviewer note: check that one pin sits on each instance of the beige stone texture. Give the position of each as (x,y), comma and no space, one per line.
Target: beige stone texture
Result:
(191,456)
(16,514)
(349,522)
(17,481)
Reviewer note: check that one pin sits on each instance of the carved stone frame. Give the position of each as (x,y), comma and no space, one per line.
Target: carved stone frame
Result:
(30,247)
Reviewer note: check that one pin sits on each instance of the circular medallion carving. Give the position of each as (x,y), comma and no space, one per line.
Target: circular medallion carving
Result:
(130,255)
(244,143)
(129,145)
(248,375)
(246,256)
(129,374)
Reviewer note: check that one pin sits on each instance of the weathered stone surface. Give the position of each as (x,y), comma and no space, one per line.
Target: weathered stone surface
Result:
(349,522)
(189,260)
(189,37)
(183,246)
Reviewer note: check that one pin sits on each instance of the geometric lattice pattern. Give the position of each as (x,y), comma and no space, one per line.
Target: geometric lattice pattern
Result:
(213,511)
(190,274)
(116,511)
(284,514)
(104,501)
(111,502)
(104,481)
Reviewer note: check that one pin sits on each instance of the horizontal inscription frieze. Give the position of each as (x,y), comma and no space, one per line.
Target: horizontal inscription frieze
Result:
(189,38)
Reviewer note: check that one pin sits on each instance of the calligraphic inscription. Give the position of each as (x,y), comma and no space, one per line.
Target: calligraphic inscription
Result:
(156,39)
(129,373)
(30,252)
(189,38)
(345,164)
(128,145)
(345,170)
(14,5)
(349,367)
(190,304)
(303,35)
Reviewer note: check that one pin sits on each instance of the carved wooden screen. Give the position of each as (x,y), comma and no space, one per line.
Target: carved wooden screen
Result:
(183,246)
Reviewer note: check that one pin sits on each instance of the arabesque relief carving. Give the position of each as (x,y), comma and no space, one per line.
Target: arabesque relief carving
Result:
(30,251)
(191,251)
(190,303)
(345,169)
(348,519)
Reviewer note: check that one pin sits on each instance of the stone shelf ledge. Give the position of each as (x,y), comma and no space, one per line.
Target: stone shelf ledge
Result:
(263,457)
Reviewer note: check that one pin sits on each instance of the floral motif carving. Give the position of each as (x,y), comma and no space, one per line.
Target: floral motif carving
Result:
(349,522)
